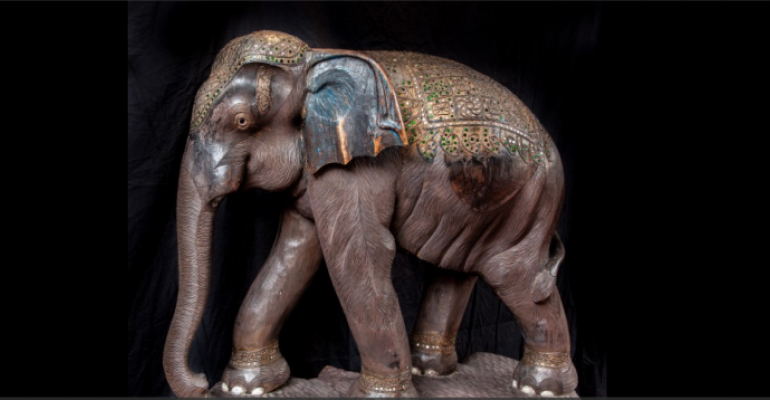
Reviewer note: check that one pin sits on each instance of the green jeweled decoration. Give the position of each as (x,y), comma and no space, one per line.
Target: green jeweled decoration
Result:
(441,99)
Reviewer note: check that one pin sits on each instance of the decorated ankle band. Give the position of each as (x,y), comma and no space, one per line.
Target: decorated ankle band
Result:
(256,358)
(433,342)
(548,360)
(371,382)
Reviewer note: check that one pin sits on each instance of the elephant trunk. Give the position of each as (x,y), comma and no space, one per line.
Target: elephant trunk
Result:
(195,217)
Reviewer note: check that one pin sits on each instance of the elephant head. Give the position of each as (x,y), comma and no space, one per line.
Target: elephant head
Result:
(271,111)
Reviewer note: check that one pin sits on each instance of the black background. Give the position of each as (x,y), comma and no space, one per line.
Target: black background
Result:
(630,93)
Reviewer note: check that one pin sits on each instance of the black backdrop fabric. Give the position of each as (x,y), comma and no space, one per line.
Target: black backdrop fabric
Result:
(548,55)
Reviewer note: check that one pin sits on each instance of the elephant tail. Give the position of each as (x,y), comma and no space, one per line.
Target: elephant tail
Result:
(545,281)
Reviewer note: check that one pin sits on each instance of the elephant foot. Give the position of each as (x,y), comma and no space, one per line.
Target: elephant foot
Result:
(544,374)
(254,373)
(433,354)
(372,385)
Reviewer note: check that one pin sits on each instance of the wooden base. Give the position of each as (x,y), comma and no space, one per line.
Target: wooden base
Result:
(479,375)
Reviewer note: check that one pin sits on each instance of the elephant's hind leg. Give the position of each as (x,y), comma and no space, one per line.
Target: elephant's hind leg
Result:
(353,207)
(256,366)
(527,286)
(443,304)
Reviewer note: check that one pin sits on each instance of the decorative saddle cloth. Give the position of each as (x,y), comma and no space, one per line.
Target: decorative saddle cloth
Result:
(449,106)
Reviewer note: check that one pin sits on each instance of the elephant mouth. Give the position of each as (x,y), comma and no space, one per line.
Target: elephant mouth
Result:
(215,202)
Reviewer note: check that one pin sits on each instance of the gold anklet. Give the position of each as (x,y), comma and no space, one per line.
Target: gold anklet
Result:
(548,360)
(256,358)
(433,342)
(371,382)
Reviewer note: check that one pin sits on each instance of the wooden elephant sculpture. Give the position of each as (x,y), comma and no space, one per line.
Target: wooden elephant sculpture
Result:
(378,150)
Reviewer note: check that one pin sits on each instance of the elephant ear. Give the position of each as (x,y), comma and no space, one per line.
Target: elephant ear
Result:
(350,110)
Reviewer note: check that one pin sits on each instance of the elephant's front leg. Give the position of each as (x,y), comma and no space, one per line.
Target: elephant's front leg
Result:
(256,365)
(353,209)
(441,312)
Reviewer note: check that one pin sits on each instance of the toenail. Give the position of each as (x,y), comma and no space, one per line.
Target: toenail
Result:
(525,389)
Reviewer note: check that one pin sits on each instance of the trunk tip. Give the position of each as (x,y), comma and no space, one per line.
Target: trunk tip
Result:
(193,385)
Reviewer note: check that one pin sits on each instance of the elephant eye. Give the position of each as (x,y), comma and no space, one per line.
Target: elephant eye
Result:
(242,120)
